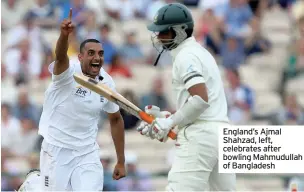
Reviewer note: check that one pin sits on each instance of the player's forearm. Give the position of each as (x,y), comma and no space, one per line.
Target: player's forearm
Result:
(62,47)
(190,111)
(118,135)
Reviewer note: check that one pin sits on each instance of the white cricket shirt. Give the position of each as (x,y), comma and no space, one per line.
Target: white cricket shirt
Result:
(193,64)
(71,111)
(32,182)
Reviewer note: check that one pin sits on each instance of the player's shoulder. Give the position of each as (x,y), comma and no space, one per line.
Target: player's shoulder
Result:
(192,51)
(196,51)
(73,64)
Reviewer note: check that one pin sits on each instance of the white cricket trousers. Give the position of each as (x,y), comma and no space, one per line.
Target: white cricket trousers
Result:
(195,165)
(62,170)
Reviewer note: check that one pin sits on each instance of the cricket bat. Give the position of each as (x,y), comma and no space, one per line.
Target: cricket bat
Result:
(115,97)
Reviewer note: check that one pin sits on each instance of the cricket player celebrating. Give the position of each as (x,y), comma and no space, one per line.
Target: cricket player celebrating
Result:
(201,105)
(69,158)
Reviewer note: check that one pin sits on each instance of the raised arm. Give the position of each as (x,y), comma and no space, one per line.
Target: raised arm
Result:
(62,59)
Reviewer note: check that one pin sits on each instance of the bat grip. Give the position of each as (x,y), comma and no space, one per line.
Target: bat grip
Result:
(149,119)
(172,134)
(146,117)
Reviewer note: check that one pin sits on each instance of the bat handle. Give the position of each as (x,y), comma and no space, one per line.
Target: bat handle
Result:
(149,119)
(146,117)
(172,134)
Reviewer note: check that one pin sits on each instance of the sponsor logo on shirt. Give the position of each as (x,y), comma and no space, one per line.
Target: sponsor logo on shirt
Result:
(81,92)
(190,69)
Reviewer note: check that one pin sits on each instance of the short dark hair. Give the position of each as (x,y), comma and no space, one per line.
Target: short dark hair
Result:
(82,45)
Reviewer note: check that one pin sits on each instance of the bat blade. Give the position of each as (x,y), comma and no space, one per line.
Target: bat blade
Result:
(115,97)
(105,91)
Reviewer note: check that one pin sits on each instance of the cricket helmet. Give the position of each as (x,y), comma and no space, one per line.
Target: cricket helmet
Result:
(176,17)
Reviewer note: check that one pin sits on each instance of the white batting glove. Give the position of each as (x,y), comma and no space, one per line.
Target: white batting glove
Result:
(161,128)
(145,128)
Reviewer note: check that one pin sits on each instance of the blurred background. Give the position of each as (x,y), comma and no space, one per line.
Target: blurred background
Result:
(259,46)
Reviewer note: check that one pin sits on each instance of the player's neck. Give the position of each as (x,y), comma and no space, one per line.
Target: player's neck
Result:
(93,77)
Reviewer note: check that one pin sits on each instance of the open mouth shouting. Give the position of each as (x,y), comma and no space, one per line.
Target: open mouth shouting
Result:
(95,67)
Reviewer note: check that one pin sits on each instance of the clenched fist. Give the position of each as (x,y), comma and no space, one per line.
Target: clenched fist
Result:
(119,171)
(67,26)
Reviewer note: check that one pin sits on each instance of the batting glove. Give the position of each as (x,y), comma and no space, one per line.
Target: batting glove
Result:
(145,128)
(161,128)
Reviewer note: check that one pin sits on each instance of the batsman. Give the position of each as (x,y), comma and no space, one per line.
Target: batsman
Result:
(201,107)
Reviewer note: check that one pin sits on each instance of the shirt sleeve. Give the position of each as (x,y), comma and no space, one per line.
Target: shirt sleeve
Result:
(65,77)
(190,71)
(111,107)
